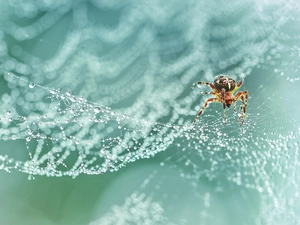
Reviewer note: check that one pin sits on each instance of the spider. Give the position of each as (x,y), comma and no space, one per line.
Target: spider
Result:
(224,88)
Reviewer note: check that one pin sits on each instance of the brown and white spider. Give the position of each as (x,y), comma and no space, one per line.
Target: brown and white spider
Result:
(223,89)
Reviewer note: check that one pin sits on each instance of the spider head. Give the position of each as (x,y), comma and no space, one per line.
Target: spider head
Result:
(223,81)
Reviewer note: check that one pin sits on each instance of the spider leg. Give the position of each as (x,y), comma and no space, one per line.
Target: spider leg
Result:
(237,87)
(224,106)
(234,107)
(243,96)
(207,92)
(239,84)
(223,101)
(204,106)
(206,83)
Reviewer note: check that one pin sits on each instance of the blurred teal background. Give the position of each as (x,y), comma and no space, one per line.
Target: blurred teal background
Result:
(140,58)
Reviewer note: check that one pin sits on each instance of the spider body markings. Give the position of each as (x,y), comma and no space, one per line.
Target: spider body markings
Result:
(224,88)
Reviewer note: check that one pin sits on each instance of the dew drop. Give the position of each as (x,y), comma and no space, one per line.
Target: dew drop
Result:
(68,93)
(97,109)
(72,99)
(31,177)
(31,85)
(28,139)
(53,91)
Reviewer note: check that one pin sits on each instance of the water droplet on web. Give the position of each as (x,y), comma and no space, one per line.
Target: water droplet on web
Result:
(28,139)
(199,85)
(31,177)
(72,99)
(97,109)
(8,113)
(68,93)
(10,119)
(53,91)
(31,85)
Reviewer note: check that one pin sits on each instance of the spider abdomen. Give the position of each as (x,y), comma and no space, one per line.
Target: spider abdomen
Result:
(225,82)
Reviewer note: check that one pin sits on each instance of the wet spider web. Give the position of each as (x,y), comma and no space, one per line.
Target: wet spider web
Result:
(114,90)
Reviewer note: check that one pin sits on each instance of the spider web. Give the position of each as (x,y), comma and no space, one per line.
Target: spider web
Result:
(113,92)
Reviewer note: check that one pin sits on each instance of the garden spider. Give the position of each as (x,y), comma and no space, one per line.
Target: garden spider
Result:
(223,89)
